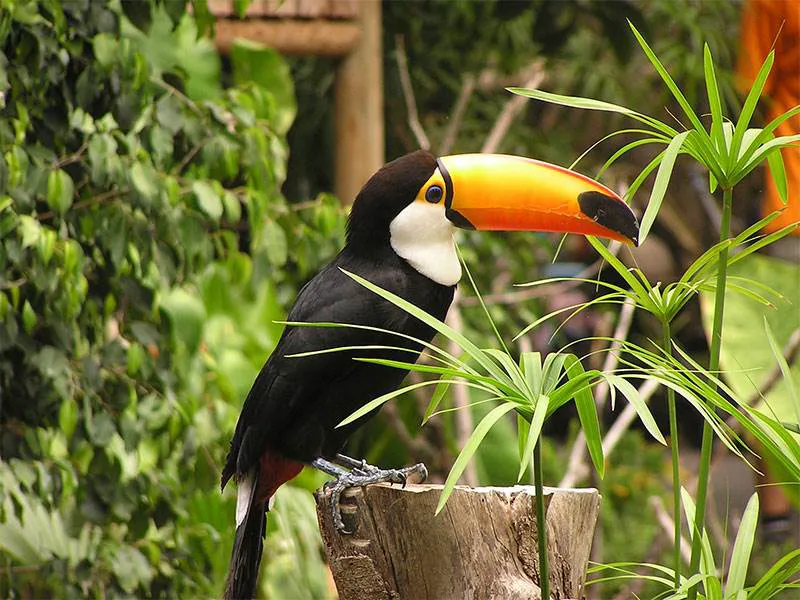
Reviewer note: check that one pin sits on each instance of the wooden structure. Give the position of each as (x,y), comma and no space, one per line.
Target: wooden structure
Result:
(347,29)
(482,544)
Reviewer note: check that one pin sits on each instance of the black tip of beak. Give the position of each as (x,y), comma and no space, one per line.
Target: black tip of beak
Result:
(611,214)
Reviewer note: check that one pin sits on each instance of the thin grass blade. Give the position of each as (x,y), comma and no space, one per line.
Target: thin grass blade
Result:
(673,88)
(469,449)
(439,392)
(707,567)
(571,101)
(714,100)
(587,414)
(749,108)
(660,185)
(534,431)
(785,369)
(380,400)
(742,547)
(467,346)
(777,171)
(531,364)
(771,582)
(639,405)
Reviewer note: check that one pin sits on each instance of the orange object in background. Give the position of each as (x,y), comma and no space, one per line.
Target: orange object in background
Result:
(766,23)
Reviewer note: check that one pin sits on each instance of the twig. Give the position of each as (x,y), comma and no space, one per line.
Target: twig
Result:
(666,522)
(463,416)
(189,156)
(467,89)
(98,199)
(577,459)
(7,285)
(178,94)
(71,158)
(408,94)
(509,113)
(543,291)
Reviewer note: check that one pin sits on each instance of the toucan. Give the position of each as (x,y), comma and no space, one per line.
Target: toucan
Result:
(399,237)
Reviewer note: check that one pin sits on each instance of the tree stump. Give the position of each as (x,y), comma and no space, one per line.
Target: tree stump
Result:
(482,544)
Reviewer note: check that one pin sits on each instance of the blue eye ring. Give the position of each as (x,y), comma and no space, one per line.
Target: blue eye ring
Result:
(434,194)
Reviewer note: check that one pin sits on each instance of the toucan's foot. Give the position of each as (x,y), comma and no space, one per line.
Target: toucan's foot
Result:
(362,474)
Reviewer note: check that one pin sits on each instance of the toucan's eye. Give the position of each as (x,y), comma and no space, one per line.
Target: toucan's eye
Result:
(434,194)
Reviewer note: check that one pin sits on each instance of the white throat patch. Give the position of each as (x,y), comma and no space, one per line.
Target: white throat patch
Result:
(423,236)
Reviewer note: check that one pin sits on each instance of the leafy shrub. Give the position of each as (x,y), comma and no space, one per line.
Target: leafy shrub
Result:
(144,253)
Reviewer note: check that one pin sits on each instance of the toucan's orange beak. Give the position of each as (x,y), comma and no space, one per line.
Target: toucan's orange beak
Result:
(500,192)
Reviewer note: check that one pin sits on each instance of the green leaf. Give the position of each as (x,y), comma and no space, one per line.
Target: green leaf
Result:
(273,241)
(233,208)
(438,394)
(30,230)
(106,49)
(707,567)
(571,101)
(639,405)
(713,100)
(143,180)
(749,108)
(186,315)
(778,173)
(208,200)
(642,295)
(380,400)
(465,344)
(531,364)
(469,449)
(773,580)
(534,431)
(676,92)
(587,414)
(742,547)
(660,185)
(68,417)
(29,318)
(60,191)
(266,67)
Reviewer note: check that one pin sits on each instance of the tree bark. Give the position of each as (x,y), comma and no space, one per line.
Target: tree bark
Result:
(482,544)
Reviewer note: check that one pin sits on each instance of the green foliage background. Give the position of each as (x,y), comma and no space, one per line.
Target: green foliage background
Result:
(145,251)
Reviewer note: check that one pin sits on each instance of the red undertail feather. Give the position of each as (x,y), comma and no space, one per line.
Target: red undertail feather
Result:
(275,471)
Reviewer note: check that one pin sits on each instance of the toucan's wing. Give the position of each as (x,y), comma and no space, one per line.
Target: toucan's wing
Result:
(288,385)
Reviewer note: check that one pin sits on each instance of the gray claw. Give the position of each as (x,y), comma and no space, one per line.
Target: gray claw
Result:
(367,475)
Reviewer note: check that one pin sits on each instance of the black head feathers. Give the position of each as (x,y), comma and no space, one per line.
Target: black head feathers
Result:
(387,193)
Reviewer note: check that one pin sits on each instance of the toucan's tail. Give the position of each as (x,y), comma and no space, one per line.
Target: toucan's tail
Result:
(251,523)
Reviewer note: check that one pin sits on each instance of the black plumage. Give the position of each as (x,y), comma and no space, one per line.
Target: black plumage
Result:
(295,404)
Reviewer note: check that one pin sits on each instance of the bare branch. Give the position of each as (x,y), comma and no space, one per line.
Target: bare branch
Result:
(408,94)
(577,460)
(509,113)
(467,89)
(668,525)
